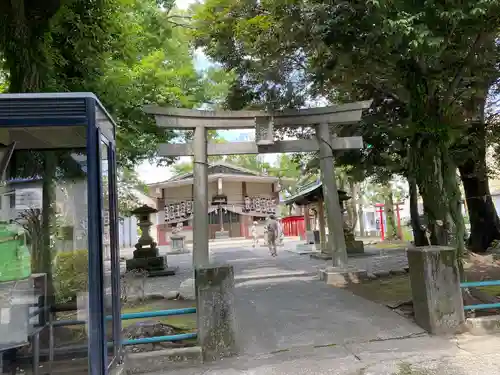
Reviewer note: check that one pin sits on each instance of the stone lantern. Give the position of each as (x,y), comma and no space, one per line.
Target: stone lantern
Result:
(147,256)
(177,240)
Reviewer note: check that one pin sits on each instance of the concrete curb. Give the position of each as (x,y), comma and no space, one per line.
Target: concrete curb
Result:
(341,277)
(301,249)
(484,325)
(383,274)
(160,360)
(276,275)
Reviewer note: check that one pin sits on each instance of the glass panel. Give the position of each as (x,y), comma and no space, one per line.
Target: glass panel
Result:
(44,246)
(106,244)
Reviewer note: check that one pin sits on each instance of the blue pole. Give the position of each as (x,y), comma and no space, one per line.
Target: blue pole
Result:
(151,340)
(154,314)
(482,306)
(473,284)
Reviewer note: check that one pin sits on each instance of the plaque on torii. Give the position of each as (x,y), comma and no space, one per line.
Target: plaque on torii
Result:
(264,123)
(264,131)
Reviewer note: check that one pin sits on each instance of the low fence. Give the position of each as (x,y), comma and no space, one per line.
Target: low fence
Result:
(130,316)
(476,284)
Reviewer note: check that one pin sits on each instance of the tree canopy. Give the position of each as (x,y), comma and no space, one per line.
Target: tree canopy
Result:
(427,65)
(128,52)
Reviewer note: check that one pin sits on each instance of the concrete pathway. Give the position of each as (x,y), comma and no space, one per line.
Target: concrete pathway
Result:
(291,323)
(423,355)
(278,313)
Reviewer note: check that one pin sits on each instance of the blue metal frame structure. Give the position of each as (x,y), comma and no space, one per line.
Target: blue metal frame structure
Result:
(80,109)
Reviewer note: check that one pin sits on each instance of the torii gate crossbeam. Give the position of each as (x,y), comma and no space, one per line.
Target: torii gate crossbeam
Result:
(264,123)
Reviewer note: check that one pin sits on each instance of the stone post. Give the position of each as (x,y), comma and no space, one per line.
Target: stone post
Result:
(435,286)
(200,196)
(307,225)
(215,311)
(331,197)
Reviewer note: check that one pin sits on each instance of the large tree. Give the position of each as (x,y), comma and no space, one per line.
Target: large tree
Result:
(128,52)
(429,59)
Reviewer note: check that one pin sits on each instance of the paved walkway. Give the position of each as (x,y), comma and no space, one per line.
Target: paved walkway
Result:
(423,355)
(290,323)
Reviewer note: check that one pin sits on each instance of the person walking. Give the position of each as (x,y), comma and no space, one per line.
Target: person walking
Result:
(253,231)
(272,235)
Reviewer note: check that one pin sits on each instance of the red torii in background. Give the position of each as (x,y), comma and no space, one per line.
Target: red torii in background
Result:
(380,210)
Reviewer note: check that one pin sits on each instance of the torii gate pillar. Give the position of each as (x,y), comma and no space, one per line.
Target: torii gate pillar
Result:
(201,255)
(335,221)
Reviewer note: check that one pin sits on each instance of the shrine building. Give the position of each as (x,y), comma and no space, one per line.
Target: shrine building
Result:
(237,197)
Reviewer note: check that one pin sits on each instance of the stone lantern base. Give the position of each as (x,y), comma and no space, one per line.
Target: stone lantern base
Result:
(149,260)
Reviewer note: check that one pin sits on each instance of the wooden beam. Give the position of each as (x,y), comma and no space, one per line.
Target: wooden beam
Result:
(189,118)
(244,148)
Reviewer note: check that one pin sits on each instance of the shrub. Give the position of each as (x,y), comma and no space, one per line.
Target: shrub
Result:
(71,272)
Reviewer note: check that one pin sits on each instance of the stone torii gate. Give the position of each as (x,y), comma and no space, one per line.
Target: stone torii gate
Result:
(264,123)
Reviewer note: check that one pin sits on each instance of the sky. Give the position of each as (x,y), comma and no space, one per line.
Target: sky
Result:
(149,172)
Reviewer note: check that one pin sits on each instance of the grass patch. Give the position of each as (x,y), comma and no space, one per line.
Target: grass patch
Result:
(384,291)
(325,346)
(184,323)
(490,290)
(407,369)
(407,234)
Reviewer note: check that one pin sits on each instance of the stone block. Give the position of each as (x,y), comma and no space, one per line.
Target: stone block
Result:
(484,325)
(309,237)
(159,360)
(149,264)
(338,276)
(216,311)
(355,247)
(321,255)
(221,234)
(146,252)
(177,242)
(436,293)
(187,290)
(302,249)
(169,271)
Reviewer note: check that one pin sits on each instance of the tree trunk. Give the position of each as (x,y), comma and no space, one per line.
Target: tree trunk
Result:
(426,162)
(419,238)
(351,206)
(390,219)
(24,52)
(361,216)
(484,221)
(457,229)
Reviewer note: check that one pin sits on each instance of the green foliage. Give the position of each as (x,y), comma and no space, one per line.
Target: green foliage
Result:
(408,369)
(128,187)
(128,52)
(70,275)
(232,33)
(427,65)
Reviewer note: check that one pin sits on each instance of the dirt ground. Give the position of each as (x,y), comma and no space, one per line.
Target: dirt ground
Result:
(395,290)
